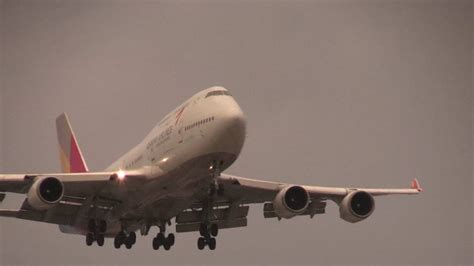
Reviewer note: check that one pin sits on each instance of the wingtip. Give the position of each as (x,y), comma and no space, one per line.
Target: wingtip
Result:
(416,185)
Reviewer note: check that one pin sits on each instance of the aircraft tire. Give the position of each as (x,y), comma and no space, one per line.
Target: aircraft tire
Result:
(203,230)
(212,243)
(166,245)
(102,226)
(170,239)
(201,243)
(214,230)
(89,239)
(133,238)
(117,243)
(100,240)
(91,225)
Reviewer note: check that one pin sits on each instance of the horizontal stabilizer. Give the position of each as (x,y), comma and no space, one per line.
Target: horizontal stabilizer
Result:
(222,224)
(2,196)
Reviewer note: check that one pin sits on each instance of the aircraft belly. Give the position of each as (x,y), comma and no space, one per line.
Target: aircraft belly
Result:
(168,195)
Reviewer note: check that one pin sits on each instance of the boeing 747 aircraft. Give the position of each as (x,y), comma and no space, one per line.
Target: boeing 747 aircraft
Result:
(176,172)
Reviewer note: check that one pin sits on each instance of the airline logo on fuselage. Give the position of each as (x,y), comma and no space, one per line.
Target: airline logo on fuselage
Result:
(179,113)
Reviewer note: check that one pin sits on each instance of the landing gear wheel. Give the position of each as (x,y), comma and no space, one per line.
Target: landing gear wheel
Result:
(212,243)
(171,239)
(117,243)
(132,238)
(128,244)
(89,239)
(166,245)
(161,238)
(214,230)
(203,230)
(155,244)
(102,226)
(158,241)
(201,243)
(100,240)
(91,225)
(119,240)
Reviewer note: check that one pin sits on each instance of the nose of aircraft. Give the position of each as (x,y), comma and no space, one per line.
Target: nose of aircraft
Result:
(233,126)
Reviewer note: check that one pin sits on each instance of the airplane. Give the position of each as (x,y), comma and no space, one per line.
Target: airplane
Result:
(175,172)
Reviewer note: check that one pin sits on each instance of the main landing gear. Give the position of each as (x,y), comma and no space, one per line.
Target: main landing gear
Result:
(122,239)
(96,231)
(208,234)
(161,240)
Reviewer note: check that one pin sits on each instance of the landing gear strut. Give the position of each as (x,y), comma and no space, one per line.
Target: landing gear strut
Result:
(96,232)
(208,231)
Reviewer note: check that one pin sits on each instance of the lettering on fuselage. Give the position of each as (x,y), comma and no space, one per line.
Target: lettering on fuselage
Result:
(133,163)
(159,140)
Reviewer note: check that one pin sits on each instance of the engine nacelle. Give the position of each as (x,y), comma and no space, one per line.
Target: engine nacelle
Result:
(45,193)
(291,201)
(356,206)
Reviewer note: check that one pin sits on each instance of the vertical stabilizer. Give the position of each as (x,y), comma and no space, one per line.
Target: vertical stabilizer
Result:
(70,154)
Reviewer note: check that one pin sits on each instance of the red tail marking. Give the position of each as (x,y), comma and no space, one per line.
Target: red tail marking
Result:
(76,161)
(416,185)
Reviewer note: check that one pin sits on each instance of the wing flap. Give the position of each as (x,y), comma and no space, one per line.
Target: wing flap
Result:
(230,217)
(315,207)
(223,224)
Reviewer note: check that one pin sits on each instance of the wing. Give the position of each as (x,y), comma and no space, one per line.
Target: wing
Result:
(229,206)
(79,191)
(257,191)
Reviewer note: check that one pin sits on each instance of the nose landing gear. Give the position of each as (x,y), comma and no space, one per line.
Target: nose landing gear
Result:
(209,231)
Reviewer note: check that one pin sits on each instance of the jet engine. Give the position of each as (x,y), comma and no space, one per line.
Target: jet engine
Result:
(45,193)
(291,201)
(356,206)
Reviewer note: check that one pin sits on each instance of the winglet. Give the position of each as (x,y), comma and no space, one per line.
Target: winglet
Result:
(416,185)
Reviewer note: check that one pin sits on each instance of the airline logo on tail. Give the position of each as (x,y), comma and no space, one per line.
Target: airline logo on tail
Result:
(70,154)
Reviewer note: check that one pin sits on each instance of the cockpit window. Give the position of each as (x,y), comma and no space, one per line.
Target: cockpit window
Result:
(215,93)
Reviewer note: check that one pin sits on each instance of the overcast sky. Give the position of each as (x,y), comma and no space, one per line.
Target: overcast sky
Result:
(344,93)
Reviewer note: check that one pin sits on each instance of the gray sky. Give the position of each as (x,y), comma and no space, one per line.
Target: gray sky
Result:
(349,93)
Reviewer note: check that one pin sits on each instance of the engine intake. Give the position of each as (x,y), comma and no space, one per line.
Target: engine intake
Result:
(291,201)
(356,206)
(45,193)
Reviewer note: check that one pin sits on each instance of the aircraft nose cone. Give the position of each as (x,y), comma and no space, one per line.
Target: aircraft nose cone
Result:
(233,126)
(236,118)
(236,124)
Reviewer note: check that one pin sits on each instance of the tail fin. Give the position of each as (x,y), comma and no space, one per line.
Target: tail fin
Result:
(70,154)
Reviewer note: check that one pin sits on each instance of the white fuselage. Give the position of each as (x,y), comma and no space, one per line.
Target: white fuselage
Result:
(200,126)
(180,154)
